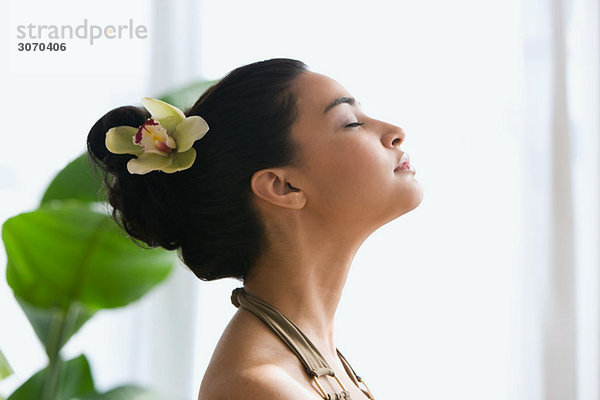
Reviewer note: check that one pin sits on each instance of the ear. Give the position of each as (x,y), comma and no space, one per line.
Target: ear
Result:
(273,185)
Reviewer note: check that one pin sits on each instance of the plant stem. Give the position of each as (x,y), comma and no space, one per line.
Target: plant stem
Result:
(50,386)
(51,380)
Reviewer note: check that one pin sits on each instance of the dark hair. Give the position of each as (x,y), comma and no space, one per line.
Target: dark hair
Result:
(206,210)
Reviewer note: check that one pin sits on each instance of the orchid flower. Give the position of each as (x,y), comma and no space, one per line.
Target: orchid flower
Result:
(163,142)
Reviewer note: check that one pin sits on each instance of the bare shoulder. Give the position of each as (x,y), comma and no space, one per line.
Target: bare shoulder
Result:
(250,362)
(267,382)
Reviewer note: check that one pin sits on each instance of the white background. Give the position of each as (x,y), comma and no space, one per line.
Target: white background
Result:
(433,304)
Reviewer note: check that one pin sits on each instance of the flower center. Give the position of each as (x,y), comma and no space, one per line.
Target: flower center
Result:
(154,138)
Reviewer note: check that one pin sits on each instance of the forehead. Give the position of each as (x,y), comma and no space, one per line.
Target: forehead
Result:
(315,92)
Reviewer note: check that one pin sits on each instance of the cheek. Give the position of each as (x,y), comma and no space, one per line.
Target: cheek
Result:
(351,169)
(363,161)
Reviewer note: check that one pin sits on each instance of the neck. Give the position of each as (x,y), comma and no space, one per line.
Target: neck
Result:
(304,278)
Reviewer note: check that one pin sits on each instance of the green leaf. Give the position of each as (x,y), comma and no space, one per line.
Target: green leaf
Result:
(76,181)
(128,392)
(59,255)
(5,369)
(75,379)
(187,95)
(72,258)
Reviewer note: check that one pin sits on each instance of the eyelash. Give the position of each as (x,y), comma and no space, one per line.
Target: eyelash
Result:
(355,124)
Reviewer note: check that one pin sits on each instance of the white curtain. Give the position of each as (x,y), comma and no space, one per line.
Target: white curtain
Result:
(558,305)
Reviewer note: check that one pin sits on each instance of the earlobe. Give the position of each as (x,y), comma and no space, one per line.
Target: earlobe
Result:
(271,186)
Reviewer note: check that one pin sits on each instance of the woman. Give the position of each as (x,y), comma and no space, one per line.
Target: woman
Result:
(289,178)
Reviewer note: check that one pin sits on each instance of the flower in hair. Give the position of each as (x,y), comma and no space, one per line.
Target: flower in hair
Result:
(163,142)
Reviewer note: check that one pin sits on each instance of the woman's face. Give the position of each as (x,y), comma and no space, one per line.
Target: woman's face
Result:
(348,171)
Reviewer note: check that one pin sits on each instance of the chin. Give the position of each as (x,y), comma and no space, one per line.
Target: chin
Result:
(412,200)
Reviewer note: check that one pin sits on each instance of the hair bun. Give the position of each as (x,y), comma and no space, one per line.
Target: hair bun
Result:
(140,203)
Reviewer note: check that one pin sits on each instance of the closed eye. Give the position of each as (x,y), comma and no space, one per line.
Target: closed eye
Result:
(355,124)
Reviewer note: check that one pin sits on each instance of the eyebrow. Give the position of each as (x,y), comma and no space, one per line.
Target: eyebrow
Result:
(340,100)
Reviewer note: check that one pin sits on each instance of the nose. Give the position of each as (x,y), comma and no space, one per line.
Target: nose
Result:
(394,136)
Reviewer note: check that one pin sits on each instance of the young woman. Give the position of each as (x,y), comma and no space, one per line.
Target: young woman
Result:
(287,179)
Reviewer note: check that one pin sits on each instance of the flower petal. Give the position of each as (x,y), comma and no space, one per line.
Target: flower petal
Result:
(188,131)
(148,162)
(181,161)
(119,140)
(168,116)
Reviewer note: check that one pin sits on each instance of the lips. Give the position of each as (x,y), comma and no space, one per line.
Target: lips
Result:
(404,162)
